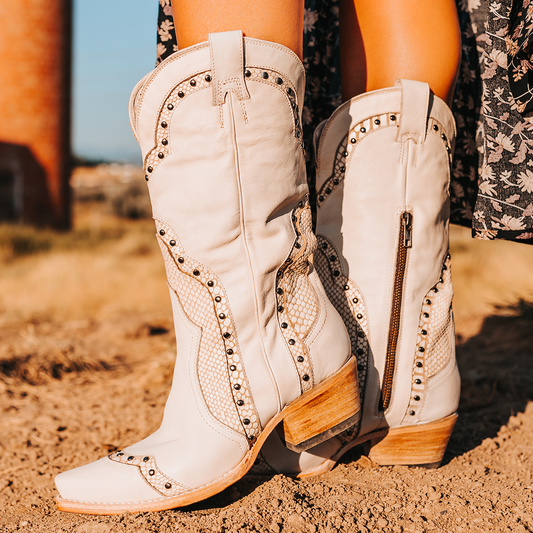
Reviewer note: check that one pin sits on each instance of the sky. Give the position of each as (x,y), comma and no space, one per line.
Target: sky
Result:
(114,47)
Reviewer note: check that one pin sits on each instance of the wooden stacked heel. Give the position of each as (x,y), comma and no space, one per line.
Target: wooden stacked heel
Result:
(422,445)
(325,411)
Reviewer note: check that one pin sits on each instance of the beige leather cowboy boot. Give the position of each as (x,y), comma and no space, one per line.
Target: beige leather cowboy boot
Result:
(259,343)
(383,173)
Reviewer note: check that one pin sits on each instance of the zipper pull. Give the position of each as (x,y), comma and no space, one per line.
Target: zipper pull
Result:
(407,222)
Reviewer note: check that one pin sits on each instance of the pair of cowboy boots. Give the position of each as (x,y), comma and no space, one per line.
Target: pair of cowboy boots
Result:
(290,344)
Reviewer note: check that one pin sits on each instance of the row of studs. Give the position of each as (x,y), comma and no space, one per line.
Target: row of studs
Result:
(355,135)
(237,378)
(201,81)
(346,147)
(162,148)
(299,254)
(151,473)
(357,325)
(419,379)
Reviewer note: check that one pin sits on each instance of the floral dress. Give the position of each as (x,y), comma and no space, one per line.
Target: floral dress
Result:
(492,176)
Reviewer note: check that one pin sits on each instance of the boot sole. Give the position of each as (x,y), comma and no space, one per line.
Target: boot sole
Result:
(317,415)
(423,446)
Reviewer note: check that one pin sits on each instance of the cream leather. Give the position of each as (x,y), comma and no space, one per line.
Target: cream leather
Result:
(390,157)
(219,125)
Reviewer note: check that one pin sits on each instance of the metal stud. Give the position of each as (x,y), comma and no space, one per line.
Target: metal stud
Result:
(218,299)
(240,403)
(193,82)
(305,377)
(146,459)
(196,272)
(421,349)
(321,198)
(336,273)
(247,73)
(160,155)
(233,368)
(342,169)
(222,316)
(346,287)
(279,290)
(289,90)
(292,342)
(418,381)
(360,368)
(435,127)
(150,169)
(181,94)
(300,359)
(246,421)
(335,181)
(173,243)
(426,315)
(353,140)
(360,351)
(164,124)
(131,458)
(229,351)
(377,122)
(297,245)
(226,335)
(237,386)
(360,334)
(393,117)
(363,130)
(279,81)
(412,413)
(419,364)
(428,302)
(146,178)
(324,245)
(440,280)
(435,289)
(284,325)
(443,137)
(170,107)
(180,260)
(416,398)
(210,283)
(207,78)
(164,142)
(168,485)
(151,472)
(328,190)
(119,454)
(355,300)
(359,316)
(333,258)
(424,332)
(264,75)
(345,153)
(280,309)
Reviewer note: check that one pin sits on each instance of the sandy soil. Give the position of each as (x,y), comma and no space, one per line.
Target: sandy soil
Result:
(83,373)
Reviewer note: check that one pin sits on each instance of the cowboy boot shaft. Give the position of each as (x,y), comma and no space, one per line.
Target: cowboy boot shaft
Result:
(383,169)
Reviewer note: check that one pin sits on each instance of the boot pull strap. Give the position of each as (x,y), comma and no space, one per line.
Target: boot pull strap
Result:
(227,65)
(414,111)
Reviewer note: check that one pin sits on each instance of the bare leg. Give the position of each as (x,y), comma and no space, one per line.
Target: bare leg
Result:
(280,21)
(382,41)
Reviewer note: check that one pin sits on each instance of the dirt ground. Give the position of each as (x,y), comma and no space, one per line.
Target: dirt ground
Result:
(86,355)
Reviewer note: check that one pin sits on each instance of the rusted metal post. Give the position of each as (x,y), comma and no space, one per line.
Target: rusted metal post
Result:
(35,101)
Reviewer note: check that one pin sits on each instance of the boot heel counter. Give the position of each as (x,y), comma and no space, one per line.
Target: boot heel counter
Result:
(329,336)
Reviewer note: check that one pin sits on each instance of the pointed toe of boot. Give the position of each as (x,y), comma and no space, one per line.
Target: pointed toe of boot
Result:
(104,482)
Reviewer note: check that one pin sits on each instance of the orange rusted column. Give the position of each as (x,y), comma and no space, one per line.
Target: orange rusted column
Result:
(35,98)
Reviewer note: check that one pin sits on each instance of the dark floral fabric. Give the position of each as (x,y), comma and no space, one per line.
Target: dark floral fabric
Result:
(492,174)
